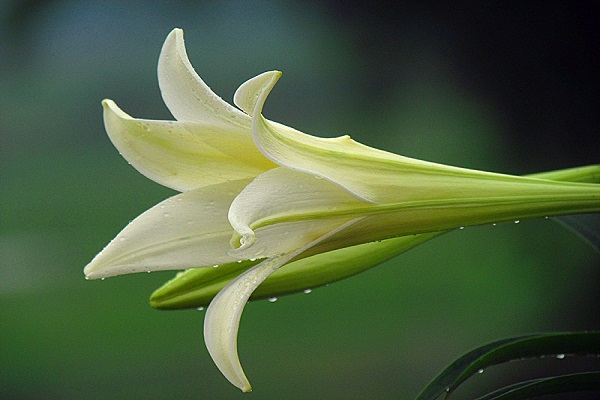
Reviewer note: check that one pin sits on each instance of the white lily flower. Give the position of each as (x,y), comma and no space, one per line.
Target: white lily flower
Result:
(256,189)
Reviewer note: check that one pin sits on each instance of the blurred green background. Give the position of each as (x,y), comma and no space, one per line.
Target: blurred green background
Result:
(506,88)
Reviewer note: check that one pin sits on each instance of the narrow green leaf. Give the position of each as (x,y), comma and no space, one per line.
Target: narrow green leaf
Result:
(584,381)
(516,348)
(586,226)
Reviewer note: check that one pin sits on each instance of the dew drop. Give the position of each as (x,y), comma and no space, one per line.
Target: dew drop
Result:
(517,221)
(494,224)
(461,228)
(560,356)
(148,271)
(239,261)
(252,259)
(272,299)
(480,371)
(200,309)
(307,291)
(102,279)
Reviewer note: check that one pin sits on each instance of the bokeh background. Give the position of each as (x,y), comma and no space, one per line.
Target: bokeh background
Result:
(501,87)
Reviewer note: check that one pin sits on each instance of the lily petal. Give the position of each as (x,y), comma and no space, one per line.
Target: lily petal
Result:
(183,156)
(370,174)
(223,315)
(188,230)
(185,93)
(302,207)
(283,192)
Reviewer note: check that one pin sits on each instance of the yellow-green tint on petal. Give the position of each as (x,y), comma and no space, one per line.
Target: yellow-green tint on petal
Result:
(183,156)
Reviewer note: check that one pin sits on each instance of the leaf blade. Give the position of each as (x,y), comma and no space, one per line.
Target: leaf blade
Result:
(514,348)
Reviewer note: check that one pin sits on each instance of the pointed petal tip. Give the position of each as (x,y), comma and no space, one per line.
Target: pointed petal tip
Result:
(94,270)
(91,275)
(111,108)
(176,34)
(246,389)
(254,90)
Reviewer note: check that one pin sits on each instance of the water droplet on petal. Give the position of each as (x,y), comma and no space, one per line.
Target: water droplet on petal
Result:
(272,299)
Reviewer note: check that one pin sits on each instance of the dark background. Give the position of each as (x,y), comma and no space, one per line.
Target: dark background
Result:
(503,87)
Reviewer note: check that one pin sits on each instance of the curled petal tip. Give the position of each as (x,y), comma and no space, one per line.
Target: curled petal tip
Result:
(253,91)
(246,241)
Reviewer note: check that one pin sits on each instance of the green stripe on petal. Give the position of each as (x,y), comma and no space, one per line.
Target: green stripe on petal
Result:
(183,156)
(279,193)
(188,230)
(282,209)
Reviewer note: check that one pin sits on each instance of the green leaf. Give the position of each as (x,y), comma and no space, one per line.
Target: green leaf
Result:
(544,386)
(515,348)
